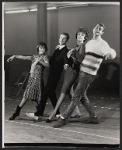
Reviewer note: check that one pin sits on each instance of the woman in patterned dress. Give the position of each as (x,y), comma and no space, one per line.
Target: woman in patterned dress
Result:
(35,83)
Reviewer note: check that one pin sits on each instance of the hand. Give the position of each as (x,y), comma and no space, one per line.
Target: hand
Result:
(38,59)
(11,58)
(66,66)
(70,53)
(108,56)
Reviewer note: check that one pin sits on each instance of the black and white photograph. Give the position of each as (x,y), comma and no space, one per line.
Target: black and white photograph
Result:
(60,74)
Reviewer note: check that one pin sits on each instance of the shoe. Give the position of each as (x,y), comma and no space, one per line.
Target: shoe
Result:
(13,116)
(48,121)
(16,113)
(32,115)
(92,120)
(58,116)
(61,122)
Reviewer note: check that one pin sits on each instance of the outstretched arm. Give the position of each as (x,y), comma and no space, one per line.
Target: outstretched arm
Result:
(19,57)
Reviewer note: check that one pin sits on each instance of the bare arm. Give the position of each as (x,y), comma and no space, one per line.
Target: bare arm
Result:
(19,57)
(46,64)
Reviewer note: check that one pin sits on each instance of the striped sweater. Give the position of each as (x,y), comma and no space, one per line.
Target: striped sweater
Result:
(95,50)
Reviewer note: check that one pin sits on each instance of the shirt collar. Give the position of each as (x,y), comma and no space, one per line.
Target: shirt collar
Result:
(61,46)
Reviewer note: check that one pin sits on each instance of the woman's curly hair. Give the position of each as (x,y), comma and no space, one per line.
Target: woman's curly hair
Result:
(84,30)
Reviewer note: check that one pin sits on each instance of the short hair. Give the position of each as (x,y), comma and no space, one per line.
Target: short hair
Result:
(43,44)
(66,34)
(102,25)
(84,30)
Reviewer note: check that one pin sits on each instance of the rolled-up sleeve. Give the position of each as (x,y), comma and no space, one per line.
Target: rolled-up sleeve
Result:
(113,53)
(106,49)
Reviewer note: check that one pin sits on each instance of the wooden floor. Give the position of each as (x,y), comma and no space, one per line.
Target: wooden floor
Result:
(24,131)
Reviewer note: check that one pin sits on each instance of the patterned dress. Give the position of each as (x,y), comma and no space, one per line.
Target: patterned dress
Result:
(35,83)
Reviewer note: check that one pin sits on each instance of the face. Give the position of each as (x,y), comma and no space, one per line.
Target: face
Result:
(63,39)
(41,50)
(98,30)
(81,36)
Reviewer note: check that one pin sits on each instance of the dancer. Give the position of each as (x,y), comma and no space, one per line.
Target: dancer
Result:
(95,50)
(35,83)
(58,61)
(75,56)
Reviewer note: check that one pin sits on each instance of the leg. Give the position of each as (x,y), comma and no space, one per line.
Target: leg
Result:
(86,103)
(60,100)
(76,112)
(23,102)
(92,117)
(18,109)
(41,106)
(82,85)
(53,98)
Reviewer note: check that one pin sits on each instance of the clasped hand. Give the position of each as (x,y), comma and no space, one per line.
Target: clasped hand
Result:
(66,66)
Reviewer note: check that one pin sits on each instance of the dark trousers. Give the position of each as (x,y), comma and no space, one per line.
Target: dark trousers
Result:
(49,92)
(80,95)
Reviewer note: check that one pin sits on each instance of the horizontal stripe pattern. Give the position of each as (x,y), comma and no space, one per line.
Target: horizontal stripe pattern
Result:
(95,55)
(89,66)
(91,63)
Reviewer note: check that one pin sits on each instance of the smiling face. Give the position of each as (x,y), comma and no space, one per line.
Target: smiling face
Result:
(98,30)
(41,50)
(81,36)
(63,39)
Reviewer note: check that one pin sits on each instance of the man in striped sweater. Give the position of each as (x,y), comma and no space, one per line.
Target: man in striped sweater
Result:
(96,50)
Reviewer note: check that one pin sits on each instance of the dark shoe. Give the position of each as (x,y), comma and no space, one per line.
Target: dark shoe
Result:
(61,122)
(92,120)
(48,121)
(13,116)
(17,112)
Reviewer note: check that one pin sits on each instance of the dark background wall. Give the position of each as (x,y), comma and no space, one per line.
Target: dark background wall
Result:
(21,37)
